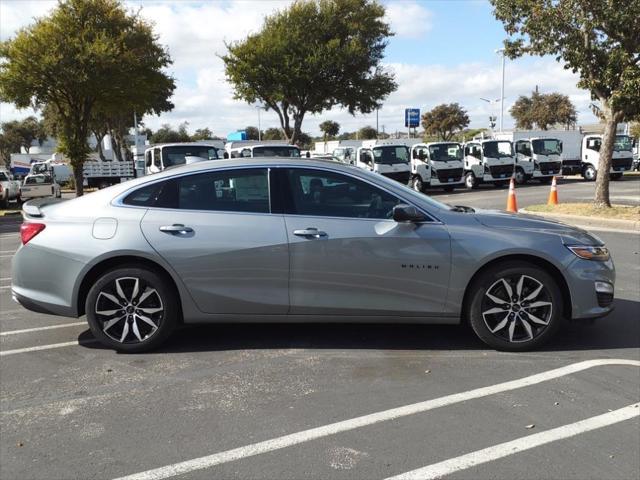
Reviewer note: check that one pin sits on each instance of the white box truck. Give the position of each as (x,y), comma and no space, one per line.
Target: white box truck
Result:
(621,159)
(537,158)
(388,159)
(436,164)
(488,161)
(571,141)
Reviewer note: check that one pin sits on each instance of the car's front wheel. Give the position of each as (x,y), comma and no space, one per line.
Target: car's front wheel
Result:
(132,309)
(515,306)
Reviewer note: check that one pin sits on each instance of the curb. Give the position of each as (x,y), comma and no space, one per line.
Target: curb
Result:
(10,213)
(588,221)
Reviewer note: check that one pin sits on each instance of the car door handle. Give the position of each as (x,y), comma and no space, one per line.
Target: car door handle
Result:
(176,228)
(310,232)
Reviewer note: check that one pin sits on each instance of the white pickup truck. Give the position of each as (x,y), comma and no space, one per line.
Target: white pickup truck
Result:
(9,189)
(41,182)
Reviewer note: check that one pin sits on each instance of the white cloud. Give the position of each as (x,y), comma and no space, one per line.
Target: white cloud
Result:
(409,19)
(195,32)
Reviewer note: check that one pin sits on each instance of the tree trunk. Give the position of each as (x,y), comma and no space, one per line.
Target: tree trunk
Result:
(99,145)
(601,198)
(78,179)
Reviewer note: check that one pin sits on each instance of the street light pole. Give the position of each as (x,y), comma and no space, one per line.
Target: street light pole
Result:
(259,126)
(502,91)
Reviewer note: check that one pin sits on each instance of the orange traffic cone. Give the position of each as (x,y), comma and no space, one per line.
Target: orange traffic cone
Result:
(553,194)
(512,203)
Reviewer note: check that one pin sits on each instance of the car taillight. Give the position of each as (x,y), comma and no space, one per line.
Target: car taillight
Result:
(30,230)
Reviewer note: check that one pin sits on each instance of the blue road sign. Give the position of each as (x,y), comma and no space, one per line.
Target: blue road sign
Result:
(411,117)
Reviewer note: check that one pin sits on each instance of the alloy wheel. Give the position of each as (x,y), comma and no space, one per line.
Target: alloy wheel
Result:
(517,308)
(129,310)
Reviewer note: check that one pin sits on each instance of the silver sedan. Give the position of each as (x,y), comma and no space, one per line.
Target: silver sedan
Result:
(300,240)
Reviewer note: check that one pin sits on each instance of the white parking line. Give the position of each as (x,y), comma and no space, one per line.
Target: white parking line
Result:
(365,420)
(463,462)
(6,256)
(6,286)
(5,278)
(38,329)
(4,353)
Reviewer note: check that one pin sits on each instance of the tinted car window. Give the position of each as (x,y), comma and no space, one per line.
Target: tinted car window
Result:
(320,193)
(145,196)
(229,191)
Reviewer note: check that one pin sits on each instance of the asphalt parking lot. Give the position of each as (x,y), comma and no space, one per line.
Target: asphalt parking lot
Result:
(327,401)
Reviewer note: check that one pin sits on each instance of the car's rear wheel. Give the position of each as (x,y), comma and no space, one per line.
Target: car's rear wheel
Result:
(132,309)
(515,306)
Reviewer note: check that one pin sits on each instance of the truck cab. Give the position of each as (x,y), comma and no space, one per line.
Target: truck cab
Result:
(489,161)
(161,157)
(248,150)
(390,160)
(345,154)
(538,158)
(621,158)
(41,182)
(436,164)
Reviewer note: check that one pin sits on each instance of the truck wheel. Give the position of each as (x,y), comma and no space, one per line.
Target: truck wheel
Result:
(520,176)
(4,203)
(616,176)
(416,184)
(470,181)
(589,173)
(103,184)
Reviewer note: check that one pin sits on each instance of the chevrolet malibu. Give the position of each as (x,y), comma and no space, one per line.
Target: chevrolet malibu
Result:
(299,240)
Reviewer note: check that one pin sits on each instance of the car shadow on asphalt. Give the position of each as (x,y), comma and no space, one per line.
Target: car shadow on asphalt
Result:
(619,330)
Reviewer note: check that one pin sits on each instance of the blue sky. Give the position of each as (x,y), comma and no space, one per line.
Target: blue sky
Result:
(443,51)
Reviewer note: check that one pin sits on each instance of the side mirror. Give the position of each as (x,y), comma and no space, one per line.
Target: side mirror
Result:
(422,156)
(407,213)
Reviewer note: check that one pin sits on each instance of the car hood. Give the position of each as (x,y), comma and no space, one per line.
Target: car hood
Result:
(570,235)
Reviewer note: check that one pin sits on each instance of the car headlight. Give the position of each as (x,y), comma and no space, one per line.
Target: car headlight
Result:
(588,252)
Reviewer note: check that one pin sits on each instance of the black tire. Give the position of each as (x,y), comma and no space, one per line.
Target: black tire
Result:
(416,184)
(520,177)
(470,181)
(165,319)
(589,173)
(505,337)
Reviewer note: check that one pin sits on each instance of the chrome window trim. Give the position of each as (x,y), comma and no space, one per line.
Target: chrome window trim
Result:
(118,200)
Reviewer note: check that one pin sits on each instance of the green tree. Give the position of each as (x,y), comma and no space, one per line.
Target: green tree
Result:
(86,56)
(305,142)
(634,130)
(252,133)
(167,134)
(599,40)
(202,134)
(10,143)
(273,134)
(543,111)
(367,133)
(445,120)
(329,129)
(312,56)
(25,132)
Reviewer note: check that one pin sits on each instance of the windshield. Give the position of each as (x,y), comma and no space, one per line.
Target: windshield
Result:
(445,151)
(497,149)
(40,168)
(623,143)
(547,146)
(389,155)
(276,151)
(176,155)
(37,179)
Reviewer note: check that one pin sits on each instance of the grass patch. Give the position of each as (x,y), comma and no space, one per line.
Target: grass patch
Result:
(618,212)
